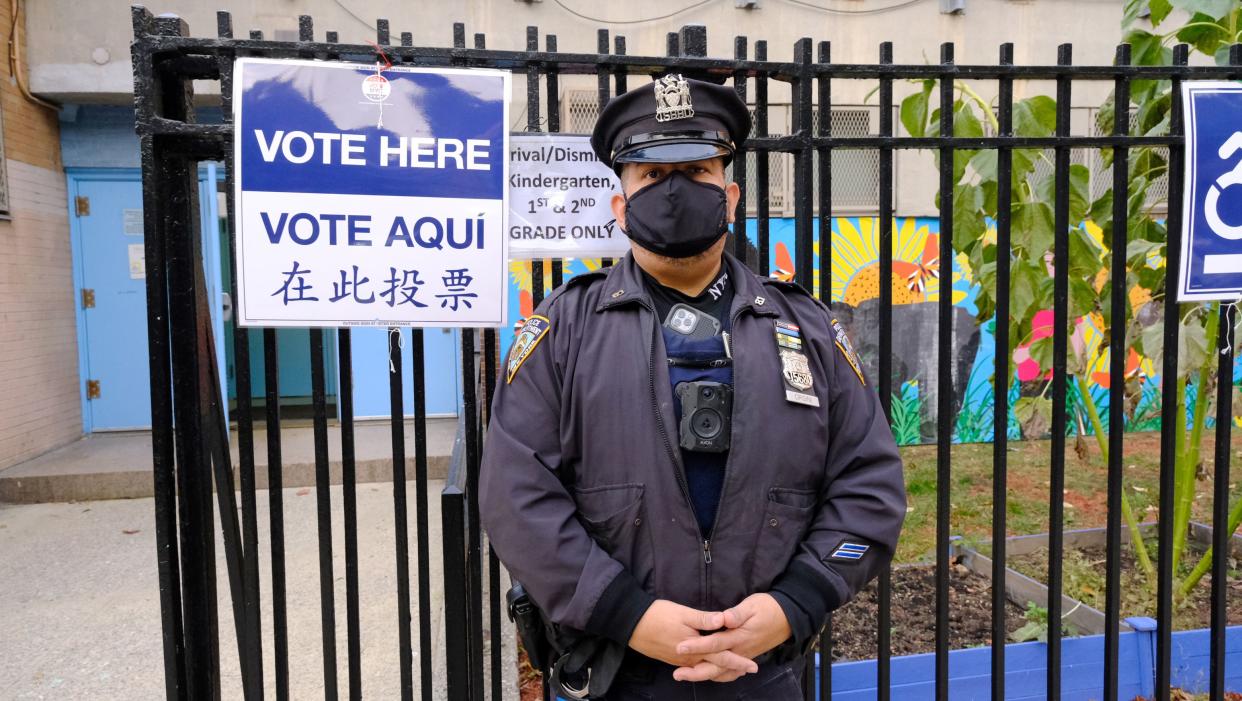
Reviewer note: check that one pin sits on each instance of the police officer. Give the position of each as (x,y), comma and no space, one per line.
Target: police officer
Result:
(684,458)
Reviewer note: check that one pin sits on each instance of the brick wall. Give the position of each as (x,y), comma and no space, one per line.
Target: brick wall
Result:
(40,405)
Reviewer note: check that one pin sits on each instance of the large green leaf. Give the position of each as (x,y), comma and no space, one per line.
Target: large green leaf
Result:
(1082,297)
(1035,116)
(1159,10)
(1032,227)
(968,223)
(1204,33)
(1084,254)
(914,111)
(1079,192)
(1101,211)
(1147,50)
(1211,8)
(1028,294)
(1192,345)
(1151,343)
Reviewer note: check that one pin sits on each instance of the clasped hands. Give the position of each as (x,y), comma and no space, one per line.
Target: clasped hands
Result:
(716,646)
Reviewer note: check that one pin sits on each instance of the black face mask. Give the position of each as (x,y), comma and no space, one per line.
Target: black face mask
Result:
(677,217)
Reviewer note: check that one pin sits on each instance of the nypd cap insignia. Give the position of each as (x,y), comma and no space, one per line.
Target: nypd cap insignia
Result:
(672,94)
(843,344)
(533,331)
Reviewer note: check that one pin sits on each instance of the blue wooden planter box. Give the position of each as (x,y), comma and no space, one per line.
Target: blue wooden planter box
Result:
(1082,671)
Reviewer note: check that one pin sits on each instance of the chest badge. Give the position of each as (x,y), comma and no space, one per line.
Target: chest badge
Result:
(795,369)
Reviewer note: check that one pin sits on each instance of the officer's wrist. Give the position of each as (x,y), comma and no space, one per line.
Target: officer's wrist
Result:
(619,609)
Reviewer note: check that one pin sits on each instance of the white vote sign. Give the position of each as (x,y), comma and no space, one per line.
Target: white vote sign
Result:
(559,199)
(369,196)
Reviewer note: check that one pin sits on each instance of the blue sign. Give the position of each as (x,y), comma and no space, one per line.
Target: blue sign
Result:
(370,196)
(1212,213)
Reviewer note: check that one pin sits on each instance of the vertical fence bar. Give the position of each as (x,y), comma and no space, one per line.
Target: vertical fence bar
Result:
(421,514)
(323,503)
(163,466)
(1220,498)
(456,648)
(601,45)
(275,496)
(1000,378)
(493,562)
(532,125)
(350,501)
(1171,423)
(825,295)
(551,77)
(1060,347)
(804,191)
(276,511)
(944,382)
(825,183)
(740,238)
(885,586)
(1221,534)
(396,417)
(620,74)
(762,223)
(473,560)
(803,168)
(1116,373)
(245,425)
(174,185)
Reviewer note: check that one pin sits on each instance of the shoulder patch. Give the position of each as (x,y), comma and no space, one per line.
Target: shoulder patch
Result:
(533,331)
(843,344)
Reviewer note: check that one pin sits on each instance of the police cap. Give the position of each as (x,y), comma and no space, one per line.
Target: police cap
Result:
(671,120)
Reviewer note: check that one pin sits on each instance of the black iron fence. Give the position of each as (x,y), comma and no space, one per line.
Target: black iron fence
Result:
(191,450)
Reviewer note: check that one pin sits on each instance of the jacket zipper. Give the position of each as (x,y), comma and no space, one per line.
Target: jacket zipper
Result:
(668,446)
(724,483)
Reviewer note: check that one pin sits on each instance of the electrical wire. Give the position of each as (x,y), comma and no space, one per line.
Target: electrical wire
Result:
(355,15)
(598,20)
(873,11)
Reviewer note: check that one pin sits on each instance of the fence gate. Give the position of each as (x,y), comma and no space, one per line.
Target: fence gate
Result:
(192,461)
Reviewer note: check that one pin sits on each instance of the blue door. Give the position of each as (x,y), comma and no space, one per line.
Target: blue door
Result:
(110,277)
(371,368)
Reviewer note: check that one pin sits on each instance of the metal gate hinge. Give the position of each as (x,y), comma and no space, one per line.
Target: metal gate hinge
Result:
(92,389)
(88,298)
(82,205)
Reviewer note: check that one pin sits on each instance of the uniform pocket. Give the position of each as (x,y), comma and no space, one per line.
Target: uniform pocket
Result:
(615,516)
(785,522)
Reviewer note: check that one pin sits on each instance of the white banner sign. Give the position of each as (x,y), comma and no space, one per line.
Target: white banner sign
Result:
(560,199)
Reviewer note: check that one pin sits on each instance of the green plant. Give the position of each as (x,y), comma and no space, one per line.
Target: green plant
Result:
(1036,626)
(1211,26)
(905,415)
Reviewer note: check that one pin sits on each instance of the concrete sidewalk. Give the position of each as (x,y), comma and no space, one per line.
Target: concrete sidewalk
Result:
(118,465)
(79,592)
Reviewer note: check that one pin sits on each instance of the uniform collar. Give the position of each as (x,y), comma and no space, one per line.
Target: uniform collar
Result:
(624,284)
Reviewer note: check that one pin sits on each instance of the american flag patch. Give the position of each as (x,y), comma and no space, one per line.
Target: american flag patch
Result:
(850,551)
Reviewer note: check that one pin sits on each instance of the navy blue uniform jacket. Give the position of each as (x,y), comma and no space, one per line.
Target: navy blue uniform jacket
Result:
(581,487)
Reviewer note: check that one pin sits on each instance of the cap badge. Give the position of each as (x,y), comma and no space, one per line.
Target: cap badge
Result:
(672,94)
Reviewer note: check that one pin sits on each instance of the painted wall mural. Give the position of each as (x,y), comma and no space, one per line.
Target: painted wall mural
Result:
(854,279)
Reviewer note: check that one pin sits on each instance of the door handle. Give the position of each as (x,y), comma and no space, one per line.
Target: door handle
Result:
(228,306)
